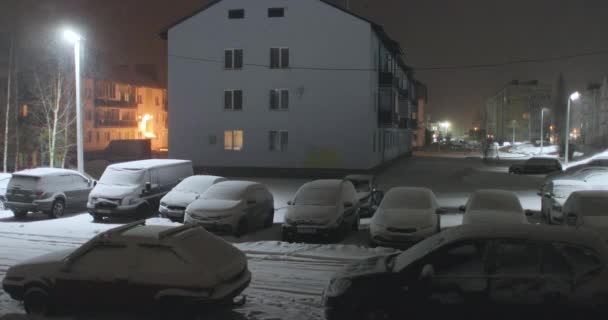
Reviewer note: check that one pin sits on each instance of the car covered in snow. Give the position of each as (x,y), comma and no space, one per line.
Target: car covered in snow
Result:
(555,193)
(134,265)
(134,189)
(369,196)
(233,207)
(173,204)
(571,173)
(472,269)
(405,215)
(536,165)
(588,209)
(493,207)
(4,180)
(48,190)
(322,209)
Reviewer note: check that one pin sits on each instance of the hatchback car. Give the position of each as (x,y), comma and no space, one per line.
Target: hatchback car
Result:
(322,209)
(48,190)
(233,207)
(493,206)
(588,209)
(471,269)
(173,204)
(134,265)
(405,215)
(537,165)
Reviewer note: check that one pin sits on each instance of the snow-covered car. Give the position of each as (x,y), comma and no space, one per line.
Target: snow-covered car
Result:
(461,270)
(588,209)
(134,189)
(405,215)
(369,196)
(173,204)
(570,173)
(233,207)
(134,265)
(4,179)
(555,193)
(493,207)
(537,165)
(322,209)
(48,190)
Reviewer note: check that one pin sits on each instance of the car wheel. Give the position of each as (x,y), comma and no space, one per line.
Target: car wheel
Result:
(57,209)
(242,227)
(19,214)
(270,219)
(37,301)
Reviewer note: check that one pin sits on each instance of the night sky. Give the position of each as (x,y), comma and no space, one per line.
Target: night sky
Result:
(433,33)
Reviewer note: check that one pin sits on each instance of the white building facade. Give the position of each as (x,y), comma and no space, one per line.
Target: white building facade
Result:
(286,84)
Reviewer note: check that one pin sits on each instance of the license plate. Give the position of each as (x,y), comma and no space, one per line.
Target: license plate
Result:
(307,230)
(103,211)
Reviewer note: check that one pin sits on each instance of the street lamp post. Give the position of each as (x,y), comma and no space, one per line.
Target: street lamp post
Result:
(573,97)
(77,40)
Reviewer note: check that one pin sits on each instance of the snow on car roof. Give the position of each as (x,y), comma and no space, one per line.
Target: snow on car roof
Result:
(38,172)
(203,178)
(493,199)
(146,164)
(145,232)
(359,177)
(324,184)
(234,185)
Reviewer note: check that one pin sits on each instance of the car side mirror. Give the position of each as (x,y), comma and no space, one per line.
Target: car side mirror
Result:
(290,203)
(427,273)
(462,208)
(441,211)
(529,213)
(348,204)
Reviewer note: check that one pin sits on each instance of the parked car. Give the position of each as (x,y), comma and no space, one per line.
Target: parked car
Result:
(571,173)
(536,166)
(555,194)
(322,208)
(369,195)
(134,265)
(173,204)
(470,269)
(405,215)
(48,190)
(4,179)
(233,207)
(588,209)
(493,207)
(134,189)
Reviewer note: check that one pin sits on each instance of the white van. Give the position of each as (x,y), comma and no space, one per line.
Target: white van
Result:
(134,189)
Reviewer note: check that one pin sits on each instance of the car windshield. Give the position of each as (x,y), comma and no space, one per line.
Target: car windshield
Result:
(122,177)
(219,192)
(312,196)
(407,200)
(494,201)
(23,182)
(361,185)
(194,185)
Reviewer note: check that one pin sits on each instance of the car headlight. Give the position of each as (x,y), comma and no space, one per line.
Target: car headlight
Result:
(338,286)
(163,204)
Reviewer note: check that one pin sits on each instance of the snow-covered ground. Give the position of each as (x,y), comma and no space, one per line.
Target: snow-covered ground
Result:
(287,278)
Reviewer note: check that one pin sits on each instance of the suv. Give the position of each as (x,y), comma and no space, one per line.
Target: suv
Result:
(473,268)
(49,190)
(143,264)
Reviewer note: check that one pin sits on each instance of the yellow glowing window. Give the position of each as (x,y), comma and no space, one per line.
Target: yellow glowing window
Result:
(233,140)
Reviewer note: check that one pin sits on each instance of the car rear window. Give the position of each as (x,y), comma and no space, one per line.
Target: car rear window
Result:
(220,192)
(317,197)
(498,202)
(596,206)
(23,182)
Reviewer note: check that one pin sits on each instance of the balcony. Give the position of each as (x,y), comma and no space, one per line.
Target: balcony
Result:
(105,102)
(115,123)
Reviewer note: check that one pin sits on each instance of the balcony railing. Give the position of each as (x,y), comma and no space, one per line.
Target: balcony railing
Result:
(104,102)
(115,123)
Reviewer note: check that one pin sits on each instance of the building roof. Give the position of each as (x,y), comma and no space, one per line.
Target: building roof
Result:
(38,172)
(388,42)
(146,164)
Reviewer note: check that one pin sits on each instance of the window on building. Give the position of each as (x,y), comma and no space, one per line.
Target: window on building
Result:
(276,12)
(233,58)
(279,58)
(157,101)
(97,137)
(233,100)
(278,140)
(140,99)
(236,14)
(87,93)
(233,140)
(90,136)
(108,137)
(279,99)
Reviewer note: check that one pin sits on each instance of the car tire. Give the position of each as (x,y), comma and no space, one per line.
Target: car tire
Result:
(36,301)
(57,209)
(241,228)
(19,214)
(270,219)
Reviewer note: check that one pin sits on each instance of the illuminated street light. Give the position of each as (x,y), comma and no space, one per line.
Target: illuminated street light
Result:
(77,39)
(573,97)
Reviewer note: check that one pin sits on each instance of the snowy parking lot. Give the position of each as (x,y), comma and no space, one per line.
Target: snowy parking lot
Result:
(288,279)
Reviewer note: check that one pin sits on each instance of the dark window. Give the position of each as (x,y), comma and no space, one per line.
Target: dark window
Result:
(274,57)
(284,99)
(553,262)
(515,258)
(227,99)
(461,258)
(274,99)
(233,58)
(582,260)
(279,58)
(238,99)
(238,58)
(284,58)
(236,14)
(276,12)
(228,59)
(278,140)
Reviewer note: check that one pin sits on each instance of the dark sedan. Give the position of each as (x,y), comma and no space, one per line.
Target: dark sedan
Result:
(536,166)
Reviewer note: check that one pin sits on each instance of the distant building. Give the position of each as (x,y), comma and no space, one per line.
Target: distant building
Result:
(589,116)
(514,112)
(124,108)
(419,116)
(288,84)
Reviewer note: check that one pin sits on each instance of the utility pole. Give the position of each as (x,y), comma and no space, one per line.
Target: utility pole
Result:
(8,101)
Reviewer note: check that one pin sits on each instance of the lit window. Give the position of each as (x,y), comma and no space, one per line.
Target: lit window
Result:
(233,58)
(276,12)
(278,140)
(279,58)
(236,14)
(279,99)
(233,140)
(233,100)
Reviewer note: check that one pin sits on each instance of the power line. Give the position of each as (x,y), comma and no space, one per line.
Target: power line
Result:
(455,67)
